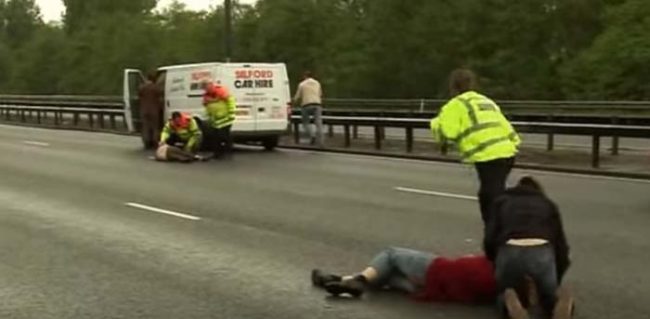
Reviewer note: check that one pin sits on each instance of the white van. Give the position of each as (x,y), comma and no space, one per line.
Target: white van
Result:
(261,90)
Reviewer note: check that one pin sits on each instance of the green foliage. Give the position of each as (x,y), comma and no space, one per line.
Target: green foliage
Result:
(617,65)
(533,49)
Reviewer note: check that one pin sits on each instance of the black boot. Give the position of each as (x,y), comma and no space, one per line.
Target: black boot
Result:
(354,287)
(320,278)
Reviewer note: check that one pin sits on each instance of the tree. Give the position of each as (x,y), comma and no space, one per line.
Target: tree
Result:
(18,21)
(616,65)
(81,12)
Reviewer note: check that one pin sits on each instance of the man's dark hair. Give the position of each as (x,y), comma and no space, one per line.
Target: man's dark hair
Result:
(308,74)
(152,76)
(530,182)
(461,81)
(176,115)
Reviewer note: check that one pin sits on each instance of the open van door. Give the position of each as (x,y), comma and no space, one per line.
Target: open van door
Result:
(132,81)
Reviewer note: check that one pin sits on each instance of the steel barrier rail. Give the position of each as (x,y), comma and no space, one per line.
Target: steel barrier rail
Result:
(79,98)
(62,101)
(40,113)
(596,131)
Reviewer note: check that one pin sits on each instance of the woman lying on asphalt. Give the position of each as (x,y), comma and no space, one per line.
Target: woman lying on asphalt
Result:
(424,275)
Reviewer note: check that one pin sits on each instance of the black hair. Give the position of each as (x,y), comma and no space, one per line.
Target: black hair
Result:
(530,182)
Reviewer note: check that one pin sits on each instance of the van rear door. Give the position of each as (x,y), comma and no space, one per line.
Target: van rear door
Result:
(262,93)
(132,80)
(246,113)
(272,89)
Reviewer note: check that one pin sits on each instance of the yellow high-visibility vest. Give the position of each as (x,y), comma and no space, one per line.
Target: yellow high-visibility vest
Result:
(476,125)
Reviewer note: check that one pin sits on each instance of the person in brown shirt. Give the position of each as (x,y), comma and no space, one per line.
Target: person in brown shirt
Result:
(151,110)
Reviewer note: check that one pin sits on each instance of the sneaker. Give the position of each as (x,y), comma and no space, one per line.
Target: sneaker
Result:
(320,278)
(513,305)
(564,307)
(354,287)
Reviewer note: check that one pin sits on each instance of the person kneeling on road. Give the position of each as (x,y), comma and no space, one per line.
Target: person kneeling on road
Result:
(427,276)
(524,238)
(181,129)
(180,139)
(220,110)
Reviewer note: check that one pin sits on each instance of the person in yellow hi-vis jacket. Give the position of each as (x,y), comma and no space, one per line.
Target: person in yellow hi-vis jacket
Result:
(182,129)
(220,108)
(482,134)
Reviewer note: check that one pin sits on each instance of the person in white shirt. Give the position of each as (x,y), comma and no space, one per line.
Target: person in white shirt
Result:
(309,96)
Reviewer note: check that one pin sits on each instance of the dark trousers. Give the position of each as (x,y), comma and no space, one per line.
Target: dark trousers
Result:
(515,263)
(492,176)
(220,141)
(150,131)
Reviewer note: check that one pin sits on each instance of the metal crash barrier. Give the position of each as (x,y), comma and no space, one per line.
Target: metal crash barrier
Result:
(596,131)
(93,112)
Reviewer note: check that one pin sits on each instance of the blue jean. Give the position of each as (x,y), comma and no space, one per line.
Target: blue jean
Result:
(315,111)
(402,269)
(515,263)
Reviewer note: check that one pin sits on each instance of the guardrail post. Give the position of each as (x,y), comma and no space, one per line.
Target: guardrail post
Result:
(23,119)
(444,148)
(355,132)
(296,133)
(346,133)
(113,124)
(615,139)
(378,137)
(8,114)
(101,119)
(409,139)
(38,116)
(75,118)
(91,120)
(56,118)
(595,151)
(550,139)
(330,131)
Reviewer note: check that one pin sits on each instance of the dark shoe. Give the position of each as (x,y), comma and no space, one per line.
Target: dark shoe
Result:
(354,287)
(564,307)
(513,305)
(320,278)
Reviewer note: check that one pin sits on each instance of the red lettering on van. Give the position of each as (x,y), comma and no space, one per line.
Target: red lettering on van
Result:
(253,74)
(202,75)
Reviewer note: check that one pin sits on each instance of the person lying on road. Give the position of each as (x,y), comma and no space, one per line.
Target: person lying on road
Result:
(424,275)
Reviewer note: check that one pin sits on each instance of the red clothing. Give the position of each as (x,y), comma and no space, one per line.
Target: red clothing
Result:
(214,91)
(466,279)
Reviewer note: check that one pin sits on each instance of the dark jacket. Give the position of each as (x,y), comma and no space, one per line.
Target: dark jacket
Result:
(524,212)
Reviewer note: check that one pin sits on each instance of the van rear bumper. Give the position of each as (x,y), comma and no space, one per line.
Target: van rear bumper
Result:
(257,135)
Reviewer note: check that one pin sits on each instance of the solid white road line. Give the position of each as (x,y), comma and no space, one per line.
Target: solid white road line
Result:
(35,143)
(162,211)
(465,166)
(434,193)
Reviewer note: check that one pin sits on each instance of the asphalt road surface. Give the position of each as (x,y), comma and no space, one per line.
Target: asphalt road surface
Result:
(91,228)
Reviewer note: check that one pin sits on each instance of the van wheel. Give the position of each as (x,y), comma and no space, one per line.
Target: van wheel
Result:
(270,143)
